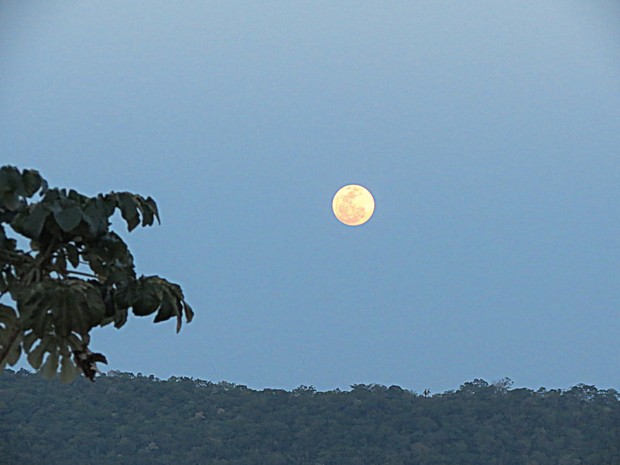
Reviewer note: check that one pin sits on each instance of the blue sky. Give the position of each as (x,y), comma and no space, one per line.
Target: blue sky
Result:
(487,131)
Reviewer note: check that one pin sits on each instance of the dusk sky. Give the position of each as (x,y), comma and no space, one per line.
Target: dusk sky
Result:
(487,131)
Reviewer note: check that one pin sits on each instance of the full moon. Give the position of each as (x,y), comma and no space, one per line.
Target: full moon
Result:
(353,205)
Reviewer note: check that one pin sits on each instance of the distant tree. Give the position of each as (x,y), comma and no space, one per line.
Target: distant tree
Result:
(140,420)
(76,275)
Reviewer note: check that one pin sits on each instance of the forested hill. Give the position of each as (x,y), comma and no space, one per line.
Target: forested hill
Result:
(126,419)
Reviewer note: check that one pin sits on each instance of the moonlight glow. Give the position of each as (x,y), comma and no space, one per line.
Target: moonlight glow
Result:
(353,205)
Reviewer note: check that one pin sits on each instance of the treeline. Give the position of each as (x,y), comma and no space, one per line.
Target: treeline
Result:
(137,420)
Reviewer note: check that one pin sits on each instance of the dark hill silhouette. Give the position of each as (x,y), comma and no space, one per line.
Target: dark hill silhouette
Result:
(138,420)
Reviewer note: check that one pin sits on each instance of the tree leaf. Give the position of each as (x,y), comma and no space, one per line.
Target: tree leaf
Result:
(64,307)
(68,370)
(169,308)
(7,314)
(73,255)
(32,182)
(74,342)
(76,196)
(151,203)
(11,202)
(35,357)
(14,352)
(40,323)
(120,317)
(68,217)
(67,313)
(96,216)
(33,304)
(125,294)
(148,297)
(30,222)
(50,367)
(129,210)
(189,313)
(107,296)
(109,202)
(77,308)
(7,183)
(11,180)
(4,285)
(96,306)
(147,213)
(29,339)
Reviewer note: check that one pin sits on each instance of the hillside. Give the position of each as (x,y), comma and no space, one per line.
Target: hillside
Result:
(138,420)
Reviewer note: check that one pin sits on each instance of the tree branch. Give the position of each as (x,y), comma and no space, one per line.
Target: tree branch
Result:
(34,274)
(15,257)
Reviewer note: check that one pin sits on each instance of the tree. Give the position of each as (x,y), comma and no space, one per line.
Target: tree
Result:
(76,275)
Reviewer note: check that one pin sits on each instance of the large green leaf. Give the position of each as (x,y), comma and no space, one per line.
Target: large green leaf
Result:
(4,340)
(78,307)
(33,303)
(4,285)
(147,213)
(173,303)
(35,356)
(68,370)
(32,182)
(50,367)
(52,195)
(10,179)
(108,202)
(23,184)
(189,313)
(107,296)
(96,216)
(7,314)
(125,294)
(151,203)
(75,342)
(10,202)
(7,183)
(76,196)
(95,305)
(11,190)
(149,295)
(177,293)
(6,242)
(148,209)
(40,320)
(68,217)
(29,340)
(169,308)
(110,259)
(30,222)
(120,317)
(129,209)
(67,313)
(14,352)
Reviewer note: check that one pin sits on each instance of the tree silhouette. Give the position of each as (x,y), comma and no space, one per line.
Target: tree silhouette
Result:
(77,273)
